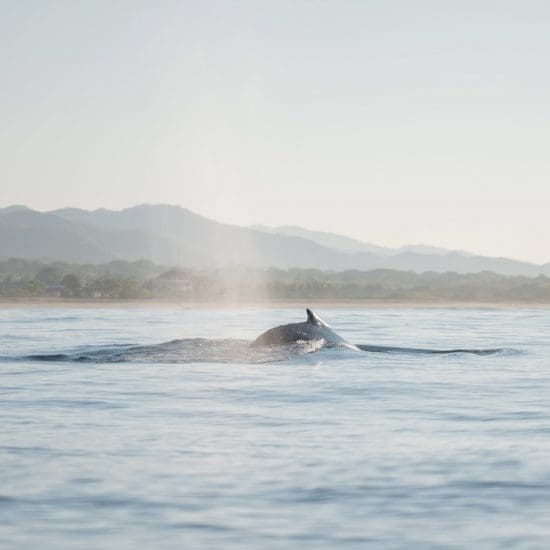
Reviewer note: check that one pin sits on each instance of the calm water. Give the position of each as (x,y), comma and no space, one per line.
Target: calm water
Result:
(158,428)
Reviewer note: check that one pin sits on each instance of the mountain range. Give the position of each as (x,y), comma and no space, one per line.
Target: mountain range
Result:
(172,235)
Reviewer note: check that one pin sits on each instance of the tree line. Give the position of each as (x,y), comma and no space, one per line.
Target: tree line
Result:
(144,280)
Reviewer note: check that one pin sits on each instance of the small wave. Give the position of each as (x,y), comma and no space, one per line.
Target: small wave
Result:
(55,357)
(190,350)
(427,351)
(203,350)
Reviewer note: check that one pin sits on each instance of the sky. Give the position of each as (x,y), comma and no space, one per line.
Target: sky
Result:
(395,122)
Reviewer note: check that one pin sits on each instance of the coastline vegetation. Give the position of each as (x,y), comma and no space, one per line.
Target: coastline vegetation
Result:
(144,280)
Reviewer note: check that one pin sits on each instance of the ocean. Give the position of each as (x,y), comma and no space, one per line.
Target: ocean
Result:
(161,428)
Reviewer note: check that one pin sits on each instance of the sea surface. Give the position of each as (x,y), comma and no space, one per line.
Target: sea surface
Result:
(161,428)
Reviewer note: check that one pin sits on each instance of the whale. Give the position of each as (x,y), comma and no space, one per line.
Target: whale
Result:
(313,328)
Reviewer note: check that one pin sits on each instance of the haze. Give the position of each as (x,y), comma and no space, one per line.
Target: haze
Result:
(393,122)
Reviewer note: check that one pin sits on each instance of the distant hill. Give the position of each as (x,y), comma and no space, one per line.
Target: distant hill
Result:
(171,235)
(13,208)
(347,244)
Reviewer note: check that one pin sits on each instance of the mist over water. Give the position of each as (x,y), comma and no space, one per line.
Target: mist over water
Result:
(161,428)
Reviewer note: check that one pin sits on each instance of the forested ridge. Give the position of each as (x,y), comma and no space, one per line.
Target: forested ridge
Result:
(146,280)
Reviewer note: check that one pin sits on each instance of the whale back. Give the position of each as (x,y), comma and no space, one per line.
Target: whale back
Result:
(314,328)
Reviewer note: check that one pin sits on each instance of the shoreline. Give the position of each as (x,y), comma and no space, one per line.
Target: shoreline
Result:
(257,304)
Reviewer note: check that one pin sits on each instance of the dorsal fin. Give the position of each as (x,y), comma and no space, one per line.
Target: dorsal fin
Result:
(312,318)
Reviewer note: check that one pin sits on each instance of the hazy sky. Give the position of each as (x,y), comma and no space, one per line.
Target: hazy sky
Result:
(391,121)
